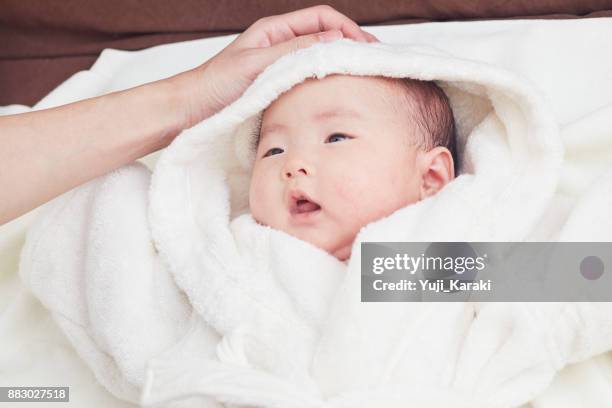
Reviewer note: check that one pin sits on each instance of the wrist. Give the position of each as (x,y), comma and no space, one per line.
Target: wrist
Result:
(191,100)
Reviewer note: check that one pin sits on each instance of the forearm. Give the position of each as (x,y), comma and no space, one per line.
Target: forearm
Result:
(46,153)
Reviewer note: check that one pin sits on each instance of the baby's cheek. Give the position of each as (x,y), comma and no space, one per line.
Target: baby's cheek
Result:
(352,196)
(259,200)
(345,190)
(369,197)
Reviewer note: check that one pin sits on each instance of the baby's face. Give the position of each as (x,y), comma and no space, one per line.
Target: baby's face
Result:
(333,156)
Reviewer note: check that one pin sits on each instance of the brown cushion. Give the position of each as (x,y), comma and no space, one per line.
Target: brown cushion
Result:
(44,42)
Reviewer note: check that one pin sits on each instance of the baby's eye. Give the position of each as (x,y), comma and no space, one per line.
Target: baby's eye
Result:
(273,151)
(336,137)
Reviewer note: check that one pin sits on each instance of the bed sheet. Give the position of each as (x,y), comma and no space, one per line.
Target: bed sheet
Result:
(559,57)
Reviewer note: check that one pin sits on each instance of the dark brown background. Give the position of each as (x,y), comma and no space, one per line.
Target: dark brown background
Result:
(43,42)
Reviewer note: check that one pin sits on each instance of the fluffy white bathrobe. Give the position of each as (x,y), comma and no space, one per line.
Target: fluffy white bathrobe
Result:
(172,294)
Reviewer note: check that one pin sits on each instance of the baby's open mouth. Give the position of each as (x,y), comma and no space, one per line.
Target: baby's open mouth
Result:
(302,204)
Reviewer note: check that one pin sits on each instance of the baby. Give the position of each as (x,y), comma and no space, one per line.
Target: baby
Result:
(337,153)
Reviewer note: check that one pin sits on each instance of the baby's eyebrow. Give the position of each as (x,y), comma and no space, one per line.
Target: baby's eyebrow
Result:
(332,113)
(320,116)
(273,127)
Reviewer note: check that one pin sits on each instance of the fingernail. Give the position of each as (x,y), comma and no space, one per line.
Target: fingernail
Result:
(331,35)
(371,37)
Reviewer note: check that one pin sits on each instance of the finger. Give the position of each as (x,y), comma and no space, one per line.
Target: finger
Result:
(323,18)
(268,55)
(308,21)
(371,37)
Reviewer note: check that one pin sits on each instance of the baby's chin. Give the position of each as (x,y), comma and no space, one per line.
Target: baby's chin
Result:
(343,254)
(342,251)
(339,249)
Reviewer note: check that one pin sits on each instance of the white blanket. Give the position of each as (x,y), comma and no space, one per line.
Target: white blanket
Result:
(74,251)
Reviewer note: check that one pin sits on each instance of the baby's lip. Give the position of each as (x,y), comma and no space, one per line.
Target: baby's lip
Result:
(301,204)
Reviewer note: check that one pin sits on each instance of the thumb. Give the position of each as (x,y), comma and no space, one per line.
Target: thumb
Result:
(271,54)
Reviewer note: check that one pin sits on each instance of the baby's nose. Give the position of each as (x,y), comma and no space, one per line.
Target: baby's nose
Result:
(295,169)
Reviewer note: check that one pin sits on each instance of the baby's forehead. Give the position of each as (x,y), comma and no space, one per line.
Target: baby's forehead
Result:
(339,99)
(339,90)
(331,83)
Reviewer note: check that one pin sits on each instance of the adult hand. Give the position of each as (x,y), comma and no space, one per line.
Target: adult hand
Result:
(222,79)
(48,152)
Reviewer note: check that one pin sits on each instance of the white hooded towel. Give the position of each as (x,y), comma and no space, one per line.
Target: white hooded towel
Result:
(172,293)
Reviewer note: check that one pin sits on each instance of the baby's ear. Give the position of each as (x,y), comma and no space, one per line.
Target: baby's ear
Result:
(437,170)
